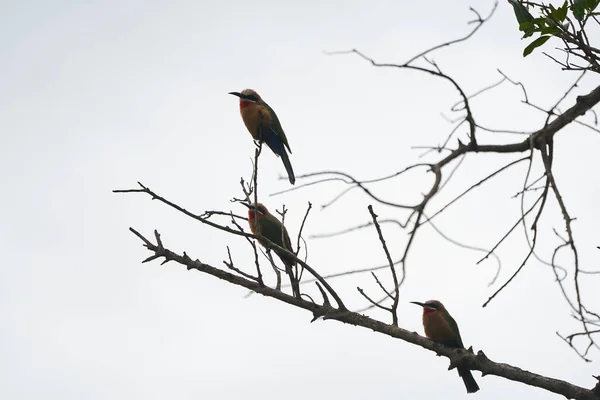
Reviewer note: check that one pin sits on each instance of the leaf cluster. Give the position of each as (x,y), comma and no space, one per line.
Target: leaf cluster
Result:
(551,21)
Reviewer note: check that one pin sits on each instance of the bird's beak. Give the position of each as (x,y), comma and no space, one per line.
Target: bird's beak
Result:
(417,303)
(238,94)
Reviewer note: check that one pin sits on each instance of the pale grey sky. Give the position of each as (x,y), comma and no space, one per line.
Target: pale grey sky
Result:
(100,94)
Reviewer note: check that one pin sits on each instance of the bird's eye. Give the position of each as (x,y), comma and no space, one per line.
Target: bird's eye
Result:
(252,97)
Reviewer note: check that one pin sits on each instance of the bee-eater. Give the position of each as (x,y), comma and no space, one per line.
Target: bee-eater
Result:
(441,327)
(264,126)
(265,225)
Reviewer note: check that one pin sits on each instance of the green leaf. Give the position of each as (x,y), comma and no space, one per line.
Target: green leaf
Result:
(539,21)
(551,30)
(591,4)
(528,28)
(535,44)
(578,9)
(561,13)
(525,26)
(522,14)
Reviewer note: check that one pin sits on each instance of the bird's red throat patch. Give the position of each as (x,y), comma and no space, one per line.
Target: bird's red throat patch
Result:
(427,310)
(252,214)
(244,104)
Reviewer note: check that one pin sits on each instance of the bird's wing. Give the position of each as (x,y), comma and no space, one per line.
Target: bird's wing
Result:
(272,229)
(275,126)
(453,325)
(286,240)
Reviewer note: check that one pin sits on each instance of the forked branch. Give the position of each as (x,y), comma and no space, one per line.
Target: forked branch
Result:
(479,361)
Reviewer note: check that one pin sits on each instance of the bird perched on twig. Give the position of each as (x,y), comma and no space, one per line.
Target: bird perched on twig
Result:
(441,328)
(263,224)
(264,126)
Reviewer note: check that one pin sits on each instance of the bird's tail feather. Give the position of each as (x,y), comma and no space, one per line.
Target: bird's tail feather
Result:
(468,379)
(288,167)
(293,280)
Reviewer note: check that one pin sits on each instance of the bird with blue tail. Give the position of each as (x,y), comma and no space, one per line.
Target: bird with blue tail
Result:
(265,225)
(264,126)
(442,328)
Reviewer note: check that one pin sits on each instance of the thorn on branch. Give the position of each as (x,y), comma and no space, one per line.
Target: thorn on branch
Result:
(151,258)
(321,311)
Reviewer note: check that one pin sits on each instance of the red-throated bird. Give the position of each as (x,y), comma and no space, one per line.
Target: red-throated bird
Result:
(265,225)
(264,126)
(441,327)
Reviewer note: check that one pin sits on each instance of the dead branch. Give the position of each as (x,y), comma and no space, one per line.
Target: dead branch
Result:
(479,361)
(394,309)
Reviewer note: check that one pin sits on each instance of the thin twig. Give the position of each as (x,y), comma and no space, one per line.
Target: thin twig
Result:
(394,308)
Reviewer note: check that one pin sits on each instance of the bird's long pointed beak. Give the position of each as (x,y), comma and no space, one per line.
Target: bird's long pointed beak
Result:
(417,303)
(238,94)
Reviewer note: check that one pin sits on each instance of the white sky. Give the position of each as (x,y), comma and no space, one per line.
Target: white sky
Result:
(100,94)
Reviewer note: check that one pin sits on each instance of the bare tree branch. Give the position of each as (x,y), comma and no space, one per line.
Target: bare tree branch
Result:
(457,357)
(394,309)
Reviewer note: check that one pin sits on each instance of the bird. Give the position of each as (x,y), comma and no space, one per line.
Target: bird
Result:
(263,224)
(441,328)
(264,126)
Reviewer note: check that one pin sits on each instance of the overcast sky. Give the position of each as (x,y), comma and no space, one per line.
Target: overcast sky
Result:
(98,95)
